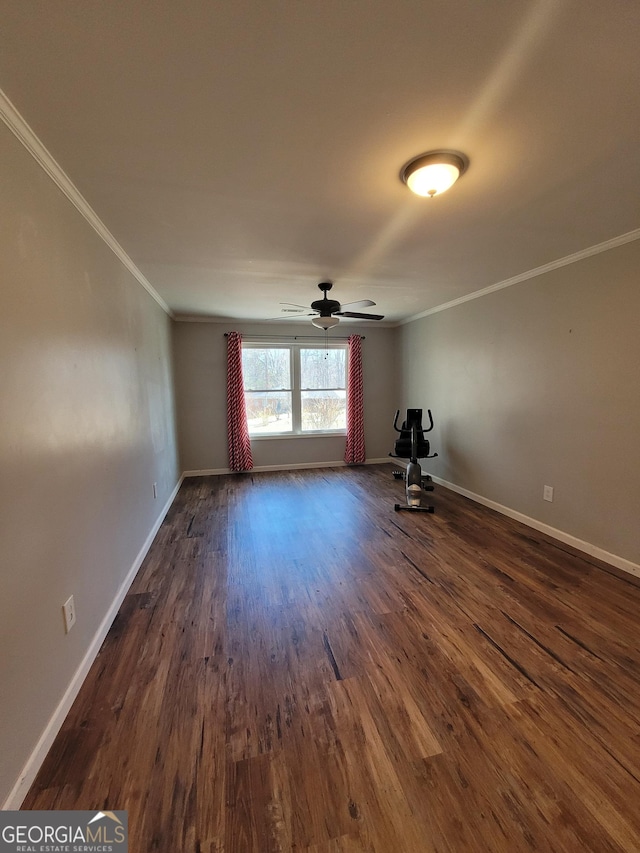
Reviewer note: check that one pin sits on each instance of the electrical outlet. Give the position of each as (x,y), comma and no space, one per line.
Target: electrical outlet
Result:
(547,493)
(155,490)
(69,612)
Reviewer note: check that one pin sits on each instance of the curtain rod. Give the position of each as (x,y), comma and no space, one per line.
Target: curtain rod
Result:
(297,337)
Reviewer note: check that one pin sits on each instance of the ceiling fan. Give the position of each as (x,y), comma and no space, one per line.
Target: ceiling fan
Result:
(327,311)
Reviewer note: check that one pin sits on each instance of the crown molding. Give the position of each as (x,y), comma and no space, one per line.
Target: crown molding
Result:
(21,130)
(629,237)
(301,324)
(204,318)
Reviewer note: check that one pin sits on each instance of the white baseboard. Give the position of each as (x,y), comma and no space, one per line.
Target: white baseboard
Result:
(560,535)
(35,760)
(208,472)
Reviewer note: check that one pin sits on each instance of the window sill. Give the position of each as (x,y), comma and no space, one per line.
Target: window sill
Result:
(290,435)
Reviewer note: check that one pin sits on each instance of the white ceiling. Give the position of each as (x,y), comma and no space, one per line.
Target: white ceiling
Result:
(242,151)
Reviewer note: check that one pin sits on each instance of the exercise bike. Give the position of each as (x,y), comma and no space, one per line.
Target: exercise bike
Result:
(412,445)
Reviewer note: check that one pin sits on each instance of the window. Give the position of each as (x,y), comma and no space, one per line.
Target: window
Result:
(295,389)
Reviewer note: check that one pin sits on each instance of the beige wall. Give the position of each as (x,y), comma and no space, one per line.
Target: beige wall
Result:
(200,367)
(87,428)
(539,384)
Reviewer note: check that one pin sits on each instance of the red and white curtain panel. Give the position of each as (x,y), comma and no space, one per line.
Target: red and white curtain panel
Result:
(354,451)
(240,458)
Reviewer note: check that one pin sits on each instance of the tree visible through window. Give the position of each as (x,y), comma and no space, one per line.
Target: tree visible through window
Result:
(295,389)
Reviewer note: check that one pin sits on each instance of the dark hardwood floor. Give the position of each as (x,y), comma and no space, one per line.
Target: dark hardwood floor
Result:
(298,667)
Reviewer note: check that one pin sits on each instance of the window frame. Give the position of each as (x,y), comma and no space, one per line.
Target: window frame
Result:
(296,390)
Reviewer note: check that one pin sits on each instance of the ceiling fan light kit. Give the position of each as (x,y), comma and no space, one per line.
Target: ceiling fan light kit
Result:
(325,322)
(434,172)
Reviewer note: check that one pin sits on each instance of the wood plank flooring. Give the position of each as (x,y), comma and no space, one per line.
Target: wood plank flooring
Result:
(299,668)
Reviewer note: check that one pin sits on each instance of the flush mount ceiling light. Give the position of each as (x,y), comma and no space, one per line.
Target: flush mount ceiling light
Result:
(325,322)
(432,173)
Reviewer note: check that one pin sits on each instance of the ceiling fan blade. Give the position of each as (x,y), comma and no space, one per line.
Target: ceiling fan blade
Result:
(363,303)
(295,316)
(359,316)
(295,305)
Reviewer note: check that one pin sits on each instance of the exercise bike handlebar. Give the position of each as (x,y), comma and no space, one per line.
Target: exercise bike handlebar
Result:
(427,429)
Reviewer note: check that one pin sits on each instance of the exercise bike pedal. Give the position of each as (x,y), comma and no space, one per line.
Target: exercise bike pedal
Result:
(398,474)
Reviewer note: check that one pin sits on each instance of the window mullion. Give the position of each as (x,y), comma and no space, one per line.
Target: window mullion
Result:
(296,404)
